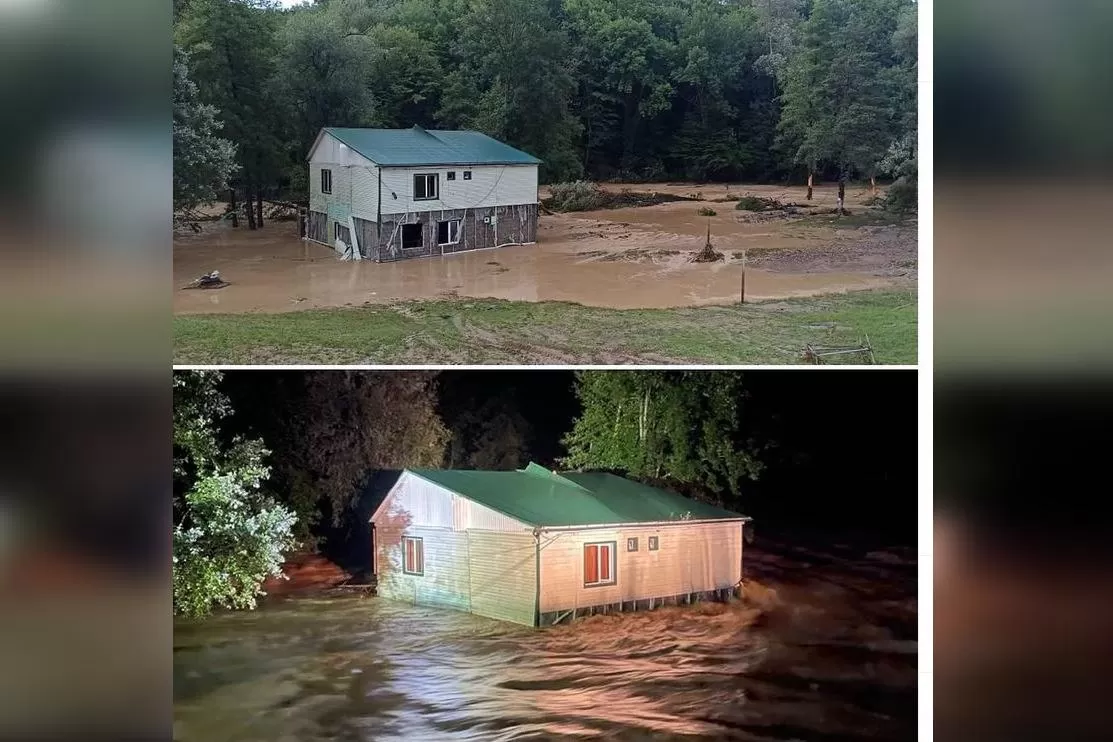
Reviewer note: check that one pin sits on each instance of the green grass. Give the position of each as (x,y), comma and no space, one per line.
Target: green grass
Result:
(485,331)
(857,218)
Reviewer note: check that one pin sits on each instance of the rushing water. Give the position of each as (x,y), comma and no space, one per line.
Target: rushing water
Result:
(825,660)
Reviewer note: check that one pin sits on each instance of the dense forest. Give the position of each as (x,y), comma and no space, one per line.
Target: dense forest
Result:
(266,463)
(753,90)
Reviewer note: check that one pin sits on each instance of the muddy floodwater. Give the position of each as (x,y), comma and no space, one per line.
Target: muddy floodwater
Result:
(621,258)
(823,649)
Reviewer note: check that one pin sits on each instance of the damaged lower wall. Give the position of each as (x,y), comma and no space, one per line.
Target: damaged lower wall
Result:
(479,228)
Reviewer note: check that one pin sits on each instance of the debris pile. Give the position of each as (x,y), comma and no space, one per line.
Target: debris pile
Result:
(208,281)
(708,254)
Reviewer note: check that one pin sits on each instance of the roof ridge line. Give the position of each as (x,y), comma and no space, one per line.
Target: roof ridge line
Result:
(532,468)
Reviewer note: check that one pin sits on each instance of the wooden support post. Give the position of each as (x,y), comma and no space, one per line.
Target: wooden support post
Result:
(742,300)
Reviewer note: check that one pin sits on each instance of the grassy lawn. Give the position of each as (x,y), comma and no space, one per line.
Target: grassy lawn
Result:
(504,332)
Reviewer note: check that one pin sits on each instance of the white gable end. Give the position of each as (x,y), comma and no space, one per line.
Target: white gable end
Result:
(414,501)
(328,150)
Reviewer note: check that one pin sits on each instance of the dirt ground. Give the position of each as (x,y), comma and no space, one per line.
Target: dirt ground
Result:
(621,258)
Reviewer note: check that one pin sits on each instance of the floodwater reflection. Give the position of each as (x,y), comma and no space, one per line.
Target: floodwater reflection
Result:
(830,658)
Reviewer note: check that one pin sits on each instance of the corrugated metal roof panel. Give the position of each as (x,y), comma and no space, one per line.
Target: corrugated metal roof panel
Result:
(543,498)
(416,146)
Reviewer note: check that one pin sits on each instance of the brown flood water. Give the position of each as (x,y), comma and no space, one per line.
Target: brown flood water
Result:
(622,258)
(828,654)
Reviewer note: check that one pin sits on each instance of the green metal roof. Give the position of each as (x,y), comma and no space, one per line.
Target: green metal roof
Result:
(542,498)
(417,146)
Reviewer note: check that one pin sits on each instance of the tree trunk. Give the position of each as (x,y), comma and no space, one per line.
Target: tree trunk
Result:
(233,208)
(873,184)
(259,207)
(842,194)
(250,203)
(810,176)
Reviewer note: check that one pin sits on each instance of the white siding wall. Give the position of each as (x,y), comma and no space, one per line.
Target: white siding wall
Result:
(446,581)
(490,185)
(418,503)
(355,185)
(691,558)
(476,559)
(503,570)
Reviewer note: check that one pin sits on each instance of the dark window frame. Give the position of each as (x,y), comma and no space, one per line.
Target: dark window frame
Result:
(632,543)
(451,175)
(402,236)
(421,544)
(654,543)
(613,546)
(326,175)
(435,179)
(467,175)
(450,242)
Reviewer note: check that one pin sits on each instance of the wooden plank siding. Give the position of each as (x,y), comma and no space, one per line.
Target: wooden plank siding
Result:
(691,558)
(317,227)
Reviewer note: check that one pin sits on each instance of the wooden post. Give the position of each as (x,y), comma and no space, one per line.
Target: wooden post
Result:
(742,300)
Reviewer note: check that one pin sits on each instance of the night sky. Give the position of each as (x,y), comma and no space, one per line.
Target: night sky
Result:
(846,455)
(844,460)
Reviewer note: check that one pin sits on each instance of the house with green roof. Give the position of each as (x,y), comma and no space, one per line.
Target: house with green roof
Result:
(390,194)
(538,547)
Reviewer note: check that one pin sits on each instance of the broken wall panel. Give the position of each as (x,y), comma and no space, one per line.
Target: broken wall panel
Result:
(477,229)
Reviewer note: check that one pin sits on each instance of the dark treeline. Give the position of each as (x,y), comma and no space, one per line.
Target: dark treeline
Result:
(779,447)
(756,90)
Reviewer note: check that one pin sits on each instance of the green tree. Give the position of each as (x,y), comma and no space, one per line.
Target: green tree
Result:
(510,79)
(625,50)
(684,426)
(228,537)
(232,50)
(326,74)
(329,431)
(202,160)
(838,87)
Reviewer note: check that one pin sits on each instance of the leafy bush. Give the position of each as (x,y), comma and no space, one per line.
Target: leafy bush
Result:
(228,537)
(580,195)
(706,211)
(756,203)
(902,195)
(901,162)
(585,196)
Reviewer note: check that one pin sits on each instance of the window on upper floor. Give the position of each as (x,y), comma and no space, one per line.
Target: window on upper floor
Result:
(599,564)
(467,175)
(413,555)
(654,543)
(451,175)
(326,181)
(425,187)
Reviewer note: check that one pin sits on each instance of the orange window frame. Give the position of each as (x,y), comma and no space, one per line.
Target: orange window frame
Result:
(600,563)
